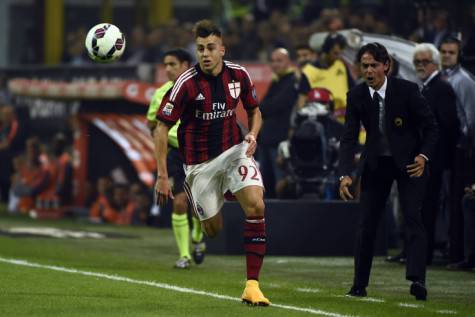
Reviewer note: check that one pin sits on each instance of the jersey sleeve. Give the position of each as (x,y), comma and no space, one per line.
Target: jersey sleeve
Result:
(249,95)
(157,100)
(173,104)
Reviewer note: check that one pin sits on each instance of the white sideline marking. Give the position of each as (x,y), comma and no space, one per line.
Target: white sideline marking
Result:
(373,300)
(410,305)
(163,286)
(446,311)
(308,290)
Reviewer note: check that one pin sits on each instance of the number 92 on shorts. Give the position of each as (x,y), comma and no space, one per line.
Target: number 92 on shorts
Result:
(206,183)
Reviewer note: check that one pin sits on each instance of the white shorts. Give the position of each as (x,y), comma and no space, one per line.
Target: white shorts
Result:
(206,183)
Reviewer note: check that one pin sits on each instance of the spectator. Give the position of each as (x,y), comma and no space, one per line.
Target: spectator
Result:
(441,27)
(33,178)
(464,86)
(305,55)
(122,206)
(276,108)
(330,73)
(136,49)
(14,199)
(101,210)
(75,54)
(64,180)
(441,98)
(10,145)
(248,36)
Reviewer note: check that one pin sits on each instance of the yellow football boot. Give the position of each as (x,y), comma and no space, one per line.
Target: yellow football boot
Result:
(252,294)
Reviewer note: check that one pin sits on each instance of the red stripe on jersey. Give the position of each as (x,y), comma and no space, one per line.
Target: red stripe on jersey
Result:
(208,119)
(204,145)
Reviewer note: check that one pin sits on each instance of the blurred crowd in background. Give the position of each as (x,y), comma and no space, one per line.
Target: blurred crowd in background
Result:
(264,25)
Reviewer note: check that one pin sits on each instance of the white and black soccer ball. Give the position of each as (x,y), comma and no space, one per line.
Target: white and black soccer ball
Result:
(105,43)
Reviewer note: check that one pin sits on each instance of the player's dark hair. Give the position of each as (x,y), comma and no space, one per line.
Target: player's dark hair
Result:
(378,51)
(181,54)
(205,28)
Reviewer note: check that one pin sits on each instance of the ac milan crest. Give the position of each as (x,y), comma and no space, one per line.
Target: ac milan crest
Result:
(234,89)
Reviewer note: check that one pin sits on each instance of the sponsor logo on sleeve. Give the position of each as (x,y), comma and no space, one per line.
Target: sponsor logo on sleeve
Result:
(254,93)
(167,110)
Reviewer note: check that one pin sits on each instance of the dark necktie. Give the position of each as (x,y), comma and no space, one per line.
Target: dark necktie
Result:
(377,100)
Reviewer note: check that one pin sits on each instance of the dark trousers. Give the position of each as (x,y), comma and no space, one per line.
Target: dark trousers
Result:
(431,209)
(375,188)
(4,190)
(271,173)
(468,204)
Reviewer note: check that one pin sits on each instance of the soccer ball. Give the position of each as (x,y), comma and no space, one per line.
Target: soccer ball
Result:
(105,43)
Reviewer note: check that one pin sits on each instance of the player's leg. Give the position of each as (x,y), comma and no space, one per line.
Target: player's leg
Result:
(212,226)
(251,200)
(199,246)
(206,198)
(180,224)
(181,230)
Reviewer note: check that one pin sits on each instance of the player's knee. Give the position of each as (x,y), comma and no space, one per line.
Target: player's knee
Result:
(212,227)
(180,204)
(255,209)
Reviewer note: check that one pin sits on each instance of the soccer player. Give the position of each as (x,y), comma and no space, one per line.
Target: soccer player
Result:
(217,157)
(176,62)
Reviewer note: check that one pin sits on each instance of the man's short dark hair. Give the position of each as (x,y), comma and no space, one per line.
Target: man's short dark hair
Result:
(332,40)
(451,39)
(205,28)
(378,51)
(303,46)
(181,54)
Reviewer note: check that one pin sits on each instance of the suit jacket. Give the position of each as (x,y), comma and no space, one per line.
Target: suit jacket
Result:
(411,128)
(276,108)
(442,101)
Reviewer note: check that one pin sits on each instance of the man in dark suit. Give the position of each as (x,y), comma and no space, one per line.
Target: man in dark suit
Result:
(401,138)
(441,98)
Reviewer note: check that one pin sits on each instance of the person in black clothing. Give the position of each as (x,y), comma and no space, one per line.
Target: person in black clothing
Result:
(11,144)
(468,207)
(441,98)
(401,138)
(276,108)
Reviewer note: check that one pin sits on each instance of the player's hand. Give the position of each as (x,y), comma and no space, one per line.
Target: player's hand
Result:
(163,191)
(416,169)
(251,139)
(345,188)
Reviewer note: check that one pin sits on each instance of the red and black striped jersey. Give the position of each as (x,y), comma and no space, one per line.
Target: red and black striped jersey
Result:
(206,106)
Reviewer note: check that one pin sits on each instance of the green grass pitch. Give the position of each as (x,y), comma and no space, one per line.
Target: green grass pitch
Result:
(133,276)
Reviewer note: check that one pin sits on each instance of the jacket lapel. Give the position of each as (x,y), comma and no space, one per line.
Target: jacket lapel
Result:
(388,100)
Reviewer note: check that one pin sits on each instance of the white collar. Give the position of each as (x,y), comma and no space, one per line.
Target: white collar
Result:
(381,91)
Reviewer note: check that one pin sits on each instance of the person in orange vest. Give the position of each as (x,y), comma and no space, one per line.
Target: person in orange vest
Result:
(33,177)
(64,179)
(101,210)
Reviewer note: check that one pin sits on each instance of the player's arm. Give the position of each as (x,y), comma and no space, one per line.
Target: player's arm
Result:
(160,140)
(254,118)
